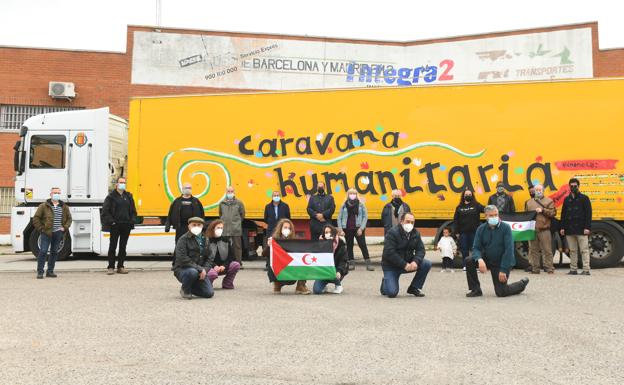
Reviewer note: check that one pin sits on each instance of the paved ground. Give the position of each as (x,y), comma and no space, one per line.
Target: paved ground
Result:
(89,328)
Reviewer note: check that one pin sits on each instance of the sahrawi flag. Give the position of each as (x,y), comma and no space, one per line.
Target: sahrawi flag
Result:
(522,225)
(293,260)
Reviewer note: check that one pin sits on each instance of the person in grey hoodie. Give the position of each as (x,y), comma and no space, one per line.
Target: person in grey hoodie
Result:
(232,213)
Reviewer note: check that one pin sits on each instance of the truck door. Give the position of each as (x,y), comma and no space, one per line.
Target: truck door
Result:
(79,159)
(46,165)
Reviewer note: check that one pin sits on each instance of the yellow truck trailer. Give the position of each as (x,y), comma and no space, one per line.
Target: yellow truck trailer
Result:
(429,142)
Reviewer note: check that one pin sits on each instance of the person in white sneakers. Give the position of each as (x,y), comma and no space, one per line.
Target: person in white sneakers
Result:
(448,248)
(340,261)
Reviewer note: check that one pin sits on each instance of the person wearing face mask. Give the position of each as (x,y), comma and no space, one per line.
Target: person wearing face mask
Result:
(392,212)
(284,229)
(503,201)
(542,244)
(330,233)
(274,211)
(183,208)
(191,264)
(493,249)
(576,218)
(321,207)
(220,256)
(403,252)
(232,213)
(52,220)
(118,217)
(466,220)
(352,219)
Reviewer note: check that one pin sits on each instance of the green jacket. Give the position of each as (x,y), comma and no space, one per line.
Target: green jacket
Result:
(232,213)
(495,245)
(44,217)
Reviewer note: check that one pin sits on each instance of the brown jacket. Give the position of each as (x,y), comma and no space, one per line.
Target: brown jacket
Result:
(542,220)
(44,217)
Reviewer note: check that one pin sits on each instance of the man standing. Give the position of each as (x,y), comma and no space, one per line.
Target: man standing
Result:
(321,207)
(232,213)
(392,212)
(576,217)
(181,210)
(503,201)
(542,244)
(118,218)
(52,220)
(494,249)
(403,252)
(191,265)
(274,211)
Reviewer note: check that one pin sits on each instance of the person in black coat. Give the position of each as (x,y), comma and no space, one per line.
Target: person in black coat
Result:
(466,220)
(273,212)
(340,261)
(576,218)
(181,210)
(391,213)
(503,201)
(321,207)
(403,252)
(118,217)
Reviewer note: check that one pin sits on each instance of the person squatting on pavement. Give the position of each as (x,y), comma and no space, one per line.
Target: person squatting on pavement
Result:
(403,252)
(183,208)
(340,262)
(542,244)
(52,220)
(493,249)
(191,265)
(220,255)
(118,217)
(284,229)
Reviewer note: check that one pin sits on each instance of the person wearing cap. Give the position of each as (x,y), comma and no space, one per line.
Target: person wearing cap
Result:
(183,208)
(191,264)
(503,201)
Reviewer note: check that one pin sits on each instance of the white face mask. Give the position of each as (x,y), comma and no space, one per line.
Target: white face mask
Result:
(218,232)
(285,232)
(328,236)
(408,227)
(186,191)
(196,230)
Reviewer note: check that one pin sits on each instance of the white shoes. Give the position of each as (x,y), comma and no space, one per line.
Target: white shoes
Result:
(338,289)
(326,289)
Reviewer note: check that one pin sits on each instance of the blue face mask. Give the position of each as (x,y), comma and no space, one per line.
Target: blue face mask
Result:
(56,197)
(493,221)
(121,186)
(229,195)
(276,199)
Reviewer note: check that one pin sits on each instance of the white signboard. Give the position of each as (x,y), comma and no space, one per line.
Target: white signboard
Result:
(286,64)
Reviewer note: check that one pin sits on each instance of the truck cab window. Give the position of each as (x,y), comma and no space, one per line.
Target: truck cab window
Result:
(47,151)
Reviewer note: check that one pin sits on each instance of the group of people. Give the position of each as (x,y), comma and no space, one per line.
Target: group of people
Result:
(203,253)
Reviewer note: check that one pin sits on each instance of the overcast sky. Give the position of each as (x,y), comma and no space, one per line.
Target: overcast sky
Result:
(101,25)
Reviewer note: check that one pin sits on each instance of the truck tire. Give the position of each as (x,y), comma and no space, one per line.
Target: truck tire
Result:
(606,245)
(522,254)
(64,247)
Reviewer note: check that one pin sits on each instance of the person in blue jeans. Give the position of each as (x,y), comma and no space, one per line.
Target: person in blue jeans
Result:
(466,220)
(340,261)
(191,263)
(403,252)
(52,220)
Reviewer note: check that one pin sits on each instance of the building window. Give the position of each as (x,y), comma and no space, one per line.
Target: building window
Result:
(13,116)
(7,200)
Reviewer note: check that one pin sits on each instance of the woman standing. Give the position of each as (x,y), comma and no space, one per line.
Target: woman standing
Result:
(284,229)
(465,222)
(352,220)
(340,261)
(220,255)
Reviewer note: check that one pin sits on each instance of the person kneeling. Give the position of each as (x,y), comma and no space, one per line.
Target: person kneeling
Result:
(220,255)
(403,252)
(340,261)
(284,229)
(494,249)
(191,265)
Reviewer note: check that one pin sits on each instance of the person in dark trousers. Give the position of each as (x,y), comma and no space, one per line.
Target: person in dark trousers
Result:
(52,220)
(392,212)
(232,213)
(321,207)
(191,265)
(340,262)
(493,249)
(284,229)
(403,252)
(352,219)
(465,222)
(576,218)
(273,212)
(118,218)
(503,201)
(220,255)
(181,210)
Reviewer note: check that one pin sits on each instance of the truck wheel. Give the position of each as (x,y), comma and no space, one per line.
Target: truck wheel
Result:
(606,245)
(64,247)
(522,254)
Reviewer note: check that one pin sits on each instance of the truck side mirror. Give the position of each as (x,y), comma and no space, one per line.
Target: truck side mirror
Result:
(18,158)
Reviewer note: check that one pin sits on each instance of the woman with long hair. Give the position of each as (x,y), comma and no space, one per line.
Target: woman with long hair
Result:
(466,220)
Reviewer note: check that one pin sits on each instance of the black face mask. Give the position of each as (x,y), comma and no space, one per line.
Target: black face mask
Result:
(532,194)
(468,198)
(321,191)
(397,200)
(574,189)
